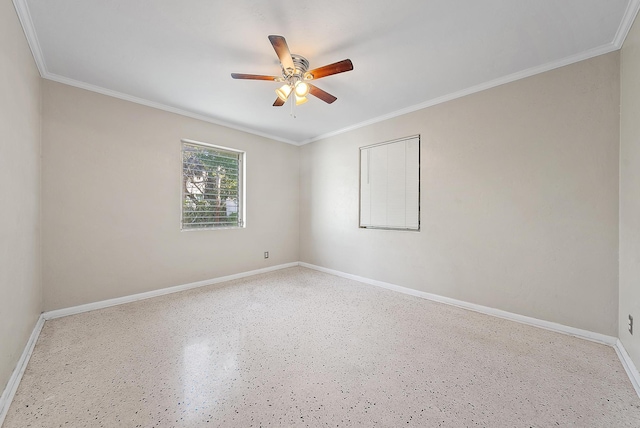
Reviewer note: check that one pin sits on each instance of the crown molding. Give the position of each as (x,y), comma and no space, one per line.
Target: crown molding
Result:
(627,21)
(27,24)
(26,21)
(601,50)
(159,106)
(24,16)
(633,7)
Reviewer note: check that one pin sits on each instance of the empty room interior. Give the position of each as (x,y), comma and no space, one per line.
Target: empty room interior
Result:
(411,213)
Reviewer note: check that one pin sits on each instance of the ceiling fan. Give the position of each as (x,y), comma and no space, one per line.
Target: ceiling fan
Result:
(296,75)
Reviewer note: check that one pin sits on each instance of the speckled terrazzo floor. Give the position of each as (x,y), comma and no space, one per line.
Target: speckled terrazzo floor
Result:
(298,347)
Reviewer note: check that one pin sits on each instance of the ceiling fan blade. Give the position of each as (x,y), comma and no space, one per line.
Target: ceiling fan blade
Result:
(282,50)
(278,102)
(328,70)
(252,76)
(324,96)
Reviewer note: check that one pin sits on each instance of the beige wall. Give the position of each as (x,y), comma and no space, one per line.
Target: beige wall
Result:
(630,192)
(519,199)
(111,200)
(20,286)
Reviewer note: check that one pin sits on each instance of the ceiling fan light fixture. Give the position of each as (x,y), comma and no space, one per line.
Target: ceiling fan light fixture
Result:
(295,74)
(302,89)
(283,92)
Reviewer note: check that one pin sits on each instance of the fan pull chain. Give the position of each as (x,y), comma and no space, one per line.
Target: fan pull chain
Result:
(293,105)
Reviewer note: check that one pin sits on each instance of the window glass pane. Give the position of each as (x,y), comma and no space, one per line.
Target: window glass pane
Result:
(211,187)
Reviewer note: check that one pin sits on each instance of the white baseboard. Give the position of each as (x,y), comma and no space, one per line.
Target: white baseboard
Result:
(14,381)
(155,293)
(547,325)
(628,365)
(624,357)
(16,376)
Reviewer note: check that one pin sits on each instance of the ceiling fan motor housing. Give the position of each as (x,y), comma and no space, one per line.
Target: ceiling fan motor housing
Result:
(301,64)
(295,73)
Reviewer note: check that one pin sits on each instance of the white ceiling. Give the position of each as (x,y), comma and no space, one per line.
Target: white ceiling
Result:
(407,54)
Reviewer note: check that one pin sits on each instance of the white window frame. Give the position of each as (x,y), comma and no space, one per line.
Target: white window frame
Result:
(242,162)
(360,186)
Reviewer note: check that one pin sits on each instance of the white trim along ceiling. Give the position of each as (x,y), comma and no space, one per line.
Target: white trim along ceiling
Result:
(407,55)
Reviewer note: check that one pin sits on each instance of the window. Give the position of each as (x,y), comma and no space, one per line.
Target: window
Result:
(390,185)
(212,180)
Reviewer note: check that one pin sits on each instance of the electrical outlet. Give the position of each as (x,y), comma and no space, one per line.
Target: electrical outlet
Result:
(266,254)
(630,324)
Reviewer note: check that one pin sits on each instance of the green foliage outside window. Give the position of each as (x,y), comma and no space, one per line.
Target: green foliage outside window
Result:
(210,187)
